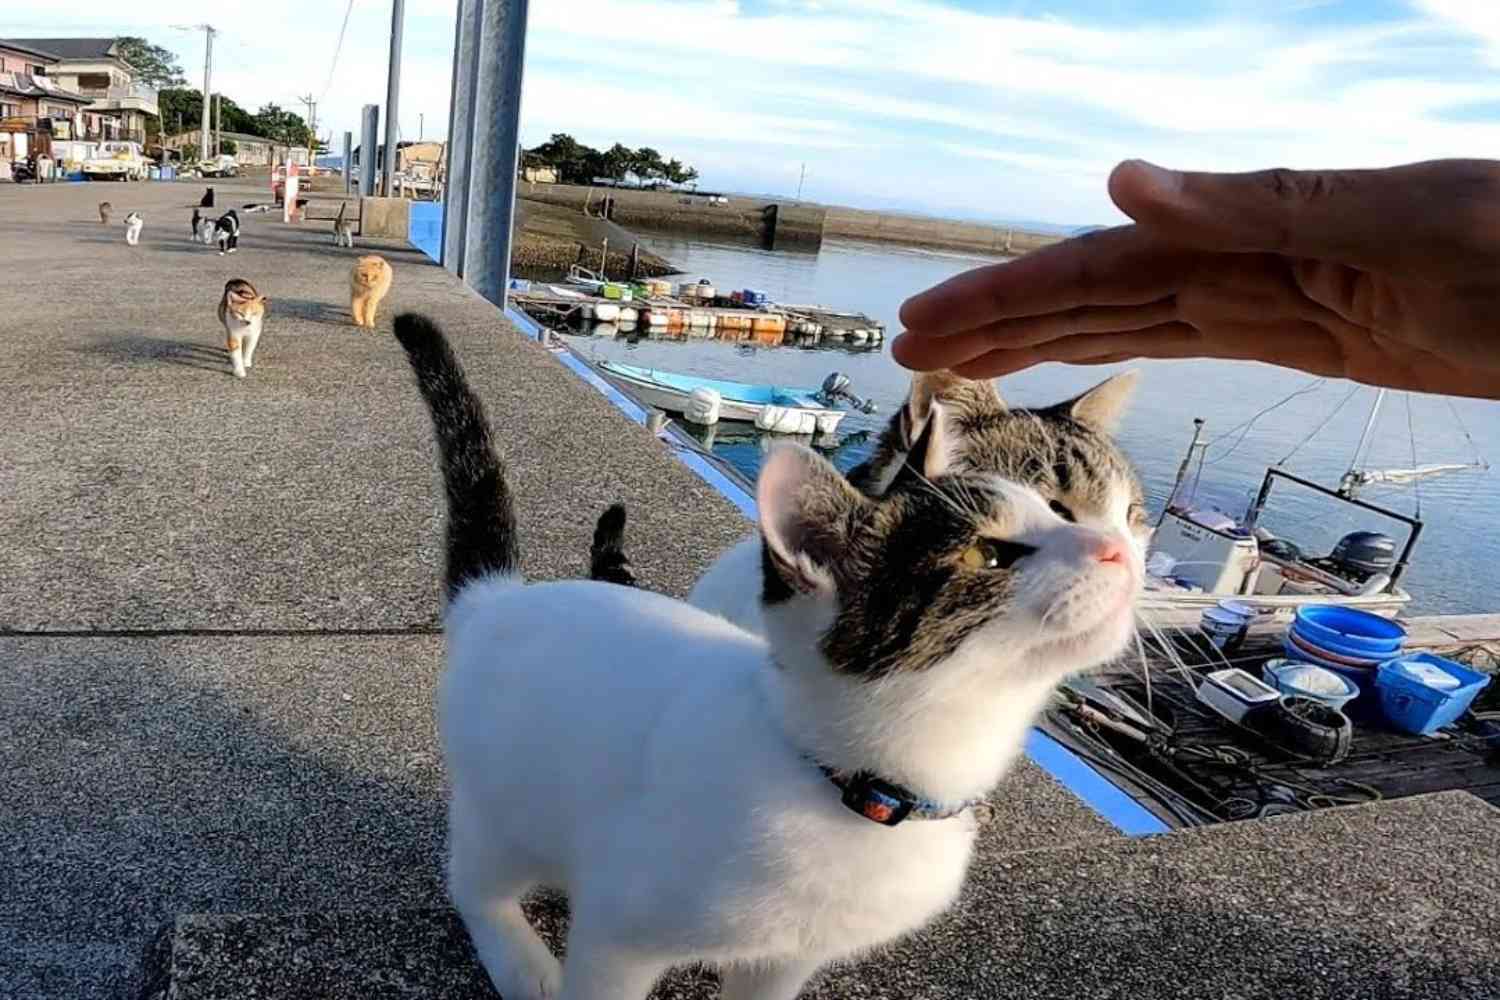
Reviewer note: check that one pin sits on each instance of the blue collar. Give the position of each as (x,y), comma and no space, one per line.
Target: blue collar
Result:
(886,802)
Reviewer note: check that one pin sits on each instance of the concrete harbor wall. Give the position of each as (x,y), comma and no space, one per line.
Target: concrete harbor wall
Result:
(773,221)
(916,230)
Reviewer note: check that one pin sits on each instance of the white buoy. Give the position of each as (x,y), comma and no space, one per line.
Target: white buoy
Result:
(703,407)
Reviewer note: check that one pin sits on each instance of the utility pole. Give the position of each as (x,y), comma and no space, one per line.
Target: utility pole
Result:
(208,67)
(312,124)
(218,122)
(392,96)
(800,179)
(419,126)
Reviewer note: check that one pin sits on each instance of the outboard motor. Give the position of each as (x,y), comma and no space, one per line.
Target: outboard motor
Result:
(1367,559)
(1365,552)
(836,387)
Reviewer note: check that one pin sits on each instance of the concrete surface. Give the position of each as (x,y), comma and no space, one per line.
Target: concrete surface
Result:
(145,487)
(384,218)
(1405,909)
(217,597)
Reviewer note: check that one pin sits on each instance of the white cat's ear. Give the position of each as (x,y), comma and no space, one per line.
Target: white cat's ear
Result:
(806,508)
(1102,406)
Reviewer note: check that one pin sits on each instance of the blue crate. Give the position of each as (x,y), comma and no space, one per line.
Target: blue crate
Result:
(1413,707)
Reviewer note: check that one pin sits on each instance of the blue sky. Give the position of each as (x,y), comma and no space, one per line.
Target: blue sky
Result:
(1009,109)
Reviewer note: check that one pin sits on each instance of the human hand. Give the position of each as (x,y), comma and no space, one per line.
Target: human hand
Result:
(1389,277)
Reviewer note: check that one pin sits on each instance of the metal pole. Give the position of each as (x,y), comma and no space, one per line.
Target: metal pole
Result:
(392,96)
(460,134)
(208,66)
(348,155)
(218,122)
(367,152)
(420,123)
(495,115)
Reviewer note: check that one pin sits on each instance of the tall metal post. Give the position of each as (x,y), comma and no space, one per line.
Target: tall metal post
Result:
(348,154)
(392,96)
(218,123)
(460,125)
(368,155)
(208,67)
(496,51)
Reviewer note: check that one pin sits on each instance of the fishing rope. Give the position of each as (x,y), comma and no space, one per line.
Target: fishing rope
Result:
(1314,432)
(1245,427)
(1478,455)
(1411,433)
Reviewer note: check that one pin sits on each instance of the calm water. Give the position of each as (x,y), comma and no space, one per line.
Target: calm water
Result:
(1457,564)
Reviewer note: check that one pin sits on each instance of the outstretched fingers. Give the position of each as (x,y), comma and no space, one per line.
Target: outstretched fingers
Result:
(1113,267)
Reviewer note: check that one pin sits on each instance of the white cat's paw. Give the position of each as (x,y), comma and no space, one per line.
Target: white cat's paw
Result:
(239,373)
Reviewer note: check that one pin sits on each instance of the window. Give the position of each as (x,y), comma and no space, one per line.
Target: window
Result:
(9,110)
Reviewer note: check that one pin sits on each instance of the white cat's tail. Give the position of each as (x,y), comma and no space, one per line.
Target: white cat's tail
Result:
(481,515)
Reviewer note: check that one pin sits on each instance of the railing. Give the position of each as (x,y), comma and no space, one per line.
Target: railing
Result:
(136,91)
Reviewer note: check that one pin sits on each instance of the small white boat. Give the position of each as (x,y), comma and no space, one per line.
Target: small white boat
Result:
(769,407)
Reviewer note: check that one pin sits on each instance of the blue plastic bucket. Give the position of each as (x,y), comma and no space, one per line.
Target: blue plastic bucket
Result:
(1349,631)
(1413,706)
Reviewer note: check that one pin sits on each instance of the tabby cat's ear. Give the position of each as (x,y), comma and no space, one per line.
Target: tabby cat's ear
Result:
(937,401)
(806,510)
(1102,406)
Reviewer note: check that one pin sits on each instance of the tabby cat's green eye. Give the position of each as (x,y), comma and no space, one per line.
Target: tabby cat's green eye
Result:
(995,553)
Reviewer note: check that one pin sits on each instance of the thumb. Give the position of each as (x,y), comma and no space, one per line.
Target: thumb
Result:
(1367,218)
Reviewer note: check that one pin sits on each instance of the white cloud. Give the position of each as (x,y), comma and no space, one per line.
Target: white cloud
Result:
(908,104)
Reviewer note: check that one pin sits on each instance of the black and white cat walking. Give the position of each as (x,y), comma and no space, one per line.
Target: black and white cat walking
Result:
(227,232)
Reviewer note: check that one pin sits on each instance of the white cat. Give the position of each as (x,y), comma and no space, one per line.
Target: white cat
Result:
(133,224)
(701,793)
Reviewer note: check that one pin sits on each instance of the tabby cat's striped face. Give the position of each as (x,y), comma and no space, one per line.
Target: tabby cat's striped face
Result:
(1020,530)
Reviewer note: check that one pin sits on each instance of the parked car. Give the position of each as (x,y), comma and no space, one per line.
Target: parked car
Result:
(223,165)
(116,161)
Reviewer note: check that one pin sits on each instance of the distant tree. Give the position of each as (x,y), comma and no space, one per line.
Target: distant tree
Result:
(152,63)
(618,161)
(228,146)
(647,165)
(275,122)
(182,111)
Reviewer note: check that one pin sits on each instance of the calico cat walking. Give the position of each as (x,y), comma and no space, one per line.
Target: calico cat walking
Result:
(768,804)
(242,311)
(368,284)
(343,231)
(133,224)
(227,232)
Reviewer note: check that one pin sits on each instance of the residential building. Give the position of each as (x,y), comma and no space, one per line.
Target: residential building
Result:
(250,150)
(37,114)
(94,68)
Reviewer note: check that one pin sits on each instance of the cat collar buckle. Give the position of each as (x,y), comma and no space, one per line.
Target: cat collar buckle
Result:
(877,800)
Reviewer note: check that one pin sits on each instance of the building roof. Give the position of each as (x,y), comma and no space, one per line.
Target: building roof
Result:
(8,43)
(236,136)
(26,85)
(71,48)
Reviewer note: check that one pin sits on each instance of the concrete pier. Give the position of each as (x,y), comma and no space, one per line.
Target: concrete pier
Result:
(219,607)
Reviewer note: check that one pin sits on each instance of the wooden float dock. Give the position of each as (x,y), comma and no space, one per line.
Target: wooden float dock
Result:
(715,318)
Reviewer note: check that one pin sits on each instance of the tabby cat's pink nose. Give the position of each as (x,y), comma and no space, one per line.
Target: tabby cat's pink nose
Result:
(1110,549)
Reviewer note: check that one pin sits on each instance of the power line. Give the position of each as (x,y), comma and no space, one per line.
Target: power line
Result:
(336,50)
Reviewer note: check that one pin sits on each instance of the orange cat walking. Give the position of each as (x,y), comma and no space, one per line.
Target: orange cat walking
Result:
(368,284)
